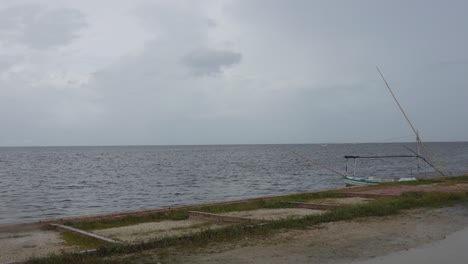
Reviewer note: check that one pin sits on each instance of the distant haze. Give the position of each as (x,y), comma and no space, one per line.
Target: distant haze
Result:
(151,72)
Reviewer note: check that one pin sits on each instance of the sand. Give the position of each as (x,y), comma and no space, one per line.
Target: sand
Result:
(22,245)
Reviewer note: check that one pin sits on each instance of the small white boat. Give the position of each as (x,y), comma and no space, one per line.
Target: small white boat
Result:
(355,181)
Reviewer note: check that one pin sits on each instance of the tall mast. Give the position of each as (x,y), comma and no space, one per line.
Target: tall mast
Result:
(418,139)
(417,151)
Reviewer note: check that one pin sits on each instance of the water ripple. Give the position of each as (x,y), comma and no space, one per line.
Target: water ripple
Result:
(52,182)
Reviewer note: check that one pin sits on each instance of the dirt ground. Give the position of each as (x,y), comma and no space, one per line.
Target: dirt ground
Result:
(22,245)
(146,231)
(339,242)
(451,249)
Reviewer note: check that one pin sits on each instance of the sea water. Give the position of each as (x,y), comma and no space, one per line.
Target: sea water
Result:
(38,183)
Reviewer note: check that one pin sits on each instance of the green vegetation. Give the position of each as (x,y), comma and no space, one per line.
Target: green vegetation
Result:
(456,178)
(129,220)
(379,207)
(82,242)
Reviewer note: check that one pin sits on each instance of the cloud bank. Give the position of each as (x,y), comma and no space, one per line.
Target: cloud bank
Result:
(228,72)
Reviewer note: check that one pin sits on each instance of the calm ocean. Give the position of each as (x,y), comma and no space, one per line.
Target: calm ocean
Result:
(38,183)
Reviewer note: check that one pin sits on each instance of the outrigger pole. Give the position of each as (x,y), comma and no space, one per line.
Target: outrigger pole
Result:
(378,157)
(418,139)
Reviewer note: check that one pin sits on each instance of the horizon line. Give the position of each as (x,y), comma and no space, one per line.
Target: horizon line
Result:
(226,144)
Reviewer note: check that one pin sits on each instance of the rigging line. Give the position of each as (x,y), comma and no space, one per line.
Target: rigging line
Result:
(418,139)
(430,164)
(394,97)
(318,164)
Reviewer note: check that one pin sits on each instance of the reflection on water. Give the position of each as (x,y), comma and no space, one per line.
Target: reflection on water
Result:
(49,182)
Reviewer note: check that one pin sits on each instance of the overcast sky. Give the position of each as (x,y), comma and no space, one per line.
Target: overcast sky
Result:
(228,72)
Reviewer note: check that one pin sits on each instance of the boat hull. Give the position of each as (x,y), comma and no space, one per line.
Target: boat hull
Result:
(353,181)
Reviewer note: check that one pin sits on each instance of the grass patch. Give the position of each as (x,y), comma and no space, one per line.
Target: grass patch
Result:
(456,178)
(82,242)
(129,220)
(302,197)
(380,207)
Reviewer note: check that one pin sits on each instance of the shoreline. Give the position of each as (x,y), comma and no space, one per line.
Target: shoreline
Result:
(116,215)
(201,227)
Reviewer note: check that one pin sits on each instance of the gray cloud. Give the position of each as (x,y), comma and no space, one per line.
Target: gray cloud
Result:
(296,72)
(38,27)
(6,61)
(208,62)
